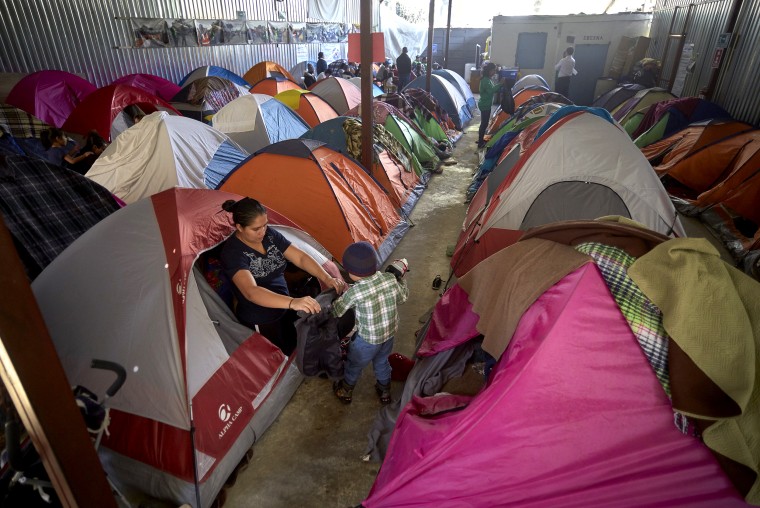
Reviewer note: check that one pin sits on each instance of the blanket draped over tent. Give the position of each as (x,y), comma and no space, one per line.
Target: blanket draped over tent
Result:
(684,278)
(46,208)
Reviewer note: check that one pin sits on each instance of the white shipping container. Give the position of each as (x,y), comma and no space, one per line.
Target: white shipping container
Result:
(536,43)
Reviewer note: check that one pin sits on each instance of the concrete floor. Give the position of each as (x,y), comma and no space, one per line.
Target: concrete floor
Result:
(311,455)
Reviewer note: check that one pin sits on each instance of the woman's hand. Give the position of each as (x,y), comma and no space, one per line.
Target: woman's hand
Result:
(306,304)
(337,284)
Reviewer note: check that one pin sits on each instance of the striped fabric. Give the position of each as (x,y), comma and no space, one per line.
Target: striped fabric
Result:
(46,208)
(353,130)
(21,123)
(644,318)
(429,106)
(399,102)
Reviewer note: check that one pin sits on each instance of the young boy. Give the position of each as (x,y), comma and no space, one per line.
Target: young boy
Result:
(374,298)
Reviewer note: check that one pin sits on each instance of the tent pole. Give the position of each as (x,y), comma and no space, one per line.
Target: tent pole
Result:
(366,75)
(448,33)
(195,460)
(429,69)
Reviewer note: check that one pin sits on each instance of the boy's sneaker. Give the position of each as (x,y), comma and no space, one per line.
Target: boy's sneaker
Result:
(343,391)
(384,392)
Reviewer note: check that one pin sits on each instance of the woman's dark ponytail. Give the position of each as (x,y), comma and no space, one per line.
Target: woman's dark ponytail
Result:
(244,211)
(229,205)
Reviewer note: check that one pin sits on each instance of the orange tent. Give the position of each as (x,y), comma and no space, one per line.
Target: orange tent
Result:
(325,193)
(339,93)
(273,86)
(312,108)
(739,185)
(705,168)
(666,152)
(266,69)
(404,187)
(397,178)
(525,94)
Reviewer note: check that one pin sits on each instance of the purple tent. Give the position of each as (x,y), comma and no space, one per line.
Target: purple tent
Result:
(156,85)
(572,414)
(50,95)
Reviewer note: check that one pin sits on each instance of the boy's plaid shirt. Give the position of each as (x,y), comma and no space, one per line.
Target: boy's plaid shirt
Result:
(375,300)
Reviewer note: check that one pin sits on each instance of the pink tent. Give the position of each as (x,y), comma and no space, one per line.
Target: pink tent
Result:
(158,86)
(572,415)
(50,95)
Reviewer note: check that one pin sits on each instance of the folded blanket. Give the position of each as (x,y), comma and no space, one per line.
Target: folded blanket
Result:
(712,313)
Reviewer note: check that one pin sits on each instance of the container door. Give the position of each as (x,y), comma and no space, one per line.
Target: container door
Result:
(589,61)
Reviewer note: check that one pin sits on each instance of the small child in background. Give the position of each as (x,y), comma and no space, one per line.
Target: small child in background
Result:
(375,298)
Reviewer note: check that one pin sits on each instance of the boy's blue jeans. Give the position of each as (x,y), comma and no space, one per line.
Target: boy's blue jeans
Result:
(360,353)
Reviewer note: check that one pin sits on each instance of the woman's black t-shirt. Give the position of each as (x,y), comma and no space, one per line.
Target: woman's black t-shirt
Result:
(268,271)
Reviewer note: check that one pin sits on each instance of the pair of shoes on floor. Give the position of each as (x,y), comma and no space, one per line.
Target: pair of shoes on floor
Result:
(384,393)
(343,391)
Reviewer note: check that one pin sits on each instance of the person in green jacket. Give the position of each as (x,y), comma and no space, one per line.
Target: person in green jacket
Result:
(488,87)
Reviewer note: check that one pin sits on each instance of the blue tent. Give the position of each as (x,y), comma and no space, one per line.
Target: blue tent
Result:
(461,85)
(257,120)
(330,133)
(213,70)
(448,96)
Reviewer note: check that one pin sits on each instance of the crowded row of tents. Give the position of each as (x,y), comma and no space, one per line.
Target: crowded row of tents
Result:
(63,100)
(596,321)
(413,130)
(136,237)
(707,161)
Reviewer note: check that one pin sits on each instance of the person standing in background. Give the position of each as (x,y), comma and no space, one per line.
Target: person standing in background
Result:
(488,86)
(321,63)
(566,70)
(404,67)
(308,76)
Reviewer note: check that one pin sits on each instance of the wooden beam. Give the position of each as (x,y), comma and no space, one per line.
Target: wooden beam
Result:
(429,69)
(448,33)
(35,380)
(366,75)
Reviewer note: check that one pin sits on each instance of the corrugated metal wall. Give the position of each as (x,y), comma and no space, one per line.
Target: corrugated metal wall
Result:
(93,37)
(737,84)
(738,87)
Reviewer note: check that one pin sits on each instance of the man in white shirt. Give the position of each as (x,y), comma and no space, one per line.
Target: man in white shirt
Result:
(566,68)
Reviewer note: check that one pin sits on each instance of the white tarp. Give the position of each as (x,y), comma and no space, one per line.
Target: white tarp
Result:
(160,152)
(328,10)
(399,33)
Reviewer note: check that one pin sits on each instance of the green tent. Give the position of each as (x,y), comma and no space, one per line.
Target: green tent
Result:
(653,134)
(431,127)
(411,140)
